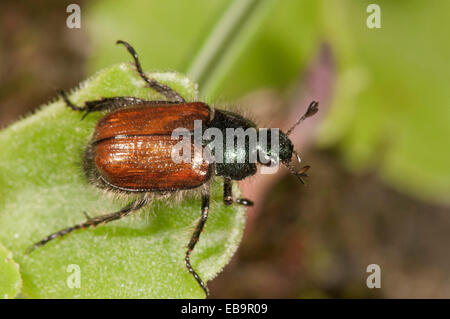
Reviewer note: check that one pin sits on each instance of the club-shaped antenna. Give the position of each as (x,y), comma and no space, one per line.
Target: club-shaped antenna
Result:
(312,109)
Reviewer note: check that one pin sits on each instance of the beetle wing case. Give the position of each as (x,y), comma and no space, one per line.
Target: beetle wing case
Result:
(132,149)
(151,119)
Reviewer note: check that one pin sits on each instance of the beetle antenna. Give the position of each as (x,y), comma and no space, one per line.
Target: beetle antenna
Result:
(312,109)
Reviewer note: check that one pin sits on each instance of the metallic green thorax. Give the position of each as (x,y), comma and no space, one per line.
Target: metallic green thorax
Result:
(247,150)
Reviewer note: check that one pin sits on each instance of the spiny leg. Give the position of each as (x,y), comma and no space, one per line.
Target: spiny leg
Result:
(94,221)
(194,239)
(159,87)
(228,195)
(104,104)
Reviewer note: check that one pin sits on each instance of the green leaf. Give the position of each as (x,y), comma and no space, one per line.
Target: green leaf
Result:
(10,281)
(43,189)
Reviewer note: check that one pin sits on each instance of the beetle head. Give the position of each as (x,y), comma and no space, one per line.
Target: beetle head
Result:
(286,151)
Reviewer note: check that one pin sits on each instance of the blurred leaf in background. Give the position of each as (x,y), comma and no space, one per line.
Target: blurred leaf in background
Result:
(392,107)
(269,49)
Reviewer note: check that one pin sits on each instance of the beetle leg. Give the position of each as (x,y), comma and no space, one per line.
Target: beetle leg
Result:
(159,87)
(94,221)
(194,240)
(228,195)
(104,104)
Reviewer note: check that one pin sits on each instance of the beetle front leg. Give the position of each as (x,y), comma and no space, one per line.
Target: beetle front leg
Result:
(194,239)
(228,195)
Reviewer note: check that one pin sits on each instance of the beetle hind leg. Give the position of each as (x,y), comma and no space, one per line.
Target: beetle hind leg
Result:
(94,221)
(228,195)
(159,87)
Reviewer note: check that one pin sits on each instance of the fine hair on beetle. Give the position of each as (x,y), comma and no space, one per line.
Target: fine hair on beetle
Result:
(130,154)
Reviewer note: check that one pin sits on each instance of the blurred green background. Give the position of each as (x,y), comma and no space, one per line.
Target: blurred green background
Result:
(380,186)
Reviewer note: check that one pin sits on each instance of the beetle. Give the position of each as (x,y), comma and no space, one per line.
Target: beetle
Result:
(131,148)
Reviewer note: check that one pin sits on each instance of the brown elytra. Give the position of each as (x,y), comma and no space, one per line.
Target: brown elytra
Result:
(133,147)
